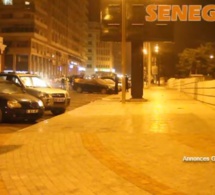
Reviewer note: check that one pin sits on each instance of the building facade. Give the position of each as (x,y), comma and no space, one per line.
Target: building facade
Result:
(44,37)
(100,53)
(2,48)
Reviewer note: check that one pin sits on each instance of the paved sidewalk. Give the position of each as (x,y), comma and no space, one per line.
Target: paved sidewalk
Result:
(110,148)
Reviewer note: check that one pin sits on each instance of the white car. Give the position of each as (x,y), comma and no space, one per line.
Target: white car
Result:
(55,100)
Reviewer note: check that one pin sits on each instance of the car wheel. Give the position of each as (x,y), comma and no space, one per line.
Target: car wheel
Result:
(0,116)
(103,91)
(58,111)
(79,90)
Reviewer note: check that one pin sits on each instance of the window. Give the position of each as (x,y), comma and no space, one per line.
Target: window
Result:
(7,2)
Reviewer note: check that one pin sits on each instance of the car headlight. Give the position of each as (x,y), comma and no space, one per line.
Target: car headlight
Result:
(43,95)
(40,103)
(13,104)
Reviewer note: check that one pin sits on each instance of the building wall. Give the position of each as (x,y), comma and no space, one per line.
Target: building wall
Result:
(45,37)
(197,88)
(2,48)
(93,37)
(100,53)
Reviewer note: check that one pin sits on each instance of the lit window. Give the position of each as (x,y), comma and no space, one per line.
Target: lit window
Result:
(7,2)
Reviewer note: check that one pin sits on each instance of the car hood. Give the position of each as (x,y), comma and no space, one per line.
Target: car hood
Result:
(21,97)
(48,90)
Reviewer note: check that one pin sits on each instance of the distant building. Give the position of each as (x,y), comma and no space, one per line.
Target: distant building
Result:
(44,37)
(100,53)
(2,48)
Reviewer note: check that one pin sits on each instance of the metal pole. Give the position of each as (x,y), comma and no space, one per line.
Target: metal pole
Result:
(123,50)
(158,64)
(149,63)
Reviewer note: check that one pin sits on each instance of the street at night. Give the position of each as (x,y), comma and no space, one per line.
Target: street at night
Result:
(162,145)
(107,97)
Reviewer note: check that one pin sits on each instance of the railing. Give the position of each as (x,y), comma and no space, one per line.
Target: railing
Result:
(196,88)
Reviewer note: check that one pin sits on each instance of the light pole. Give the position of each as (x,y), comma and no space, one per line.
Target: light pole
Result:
(123,50)
(145,62)
(157,62)
(148,54)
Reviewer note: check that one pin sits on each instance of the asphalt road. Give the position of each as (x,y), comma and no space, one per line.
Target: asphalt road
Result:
(77,100)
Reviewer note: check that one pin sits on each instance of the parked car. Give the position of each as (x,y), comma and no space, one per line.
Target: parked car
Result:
(92,86)
(17,105)
(55,100)
(113,83)
(119,81)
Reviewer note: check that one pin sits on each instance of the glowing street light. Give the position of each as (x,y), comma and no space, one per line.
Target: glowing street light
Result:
(145,51)
(156,48)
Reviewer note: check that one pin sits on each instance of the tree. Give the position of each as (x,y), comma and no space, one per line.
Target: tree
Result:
(197,61)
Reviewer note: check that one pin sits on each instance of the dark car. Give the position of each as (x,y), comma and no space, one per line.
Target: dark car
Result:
(113,83)
(55,100)
(16,105)
(119,80)
(93,86)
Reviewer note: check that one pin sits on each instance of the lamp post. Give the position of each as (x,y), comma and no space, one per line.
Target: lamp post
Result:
(145,62)
(147,51)
(157,62)
(123,50)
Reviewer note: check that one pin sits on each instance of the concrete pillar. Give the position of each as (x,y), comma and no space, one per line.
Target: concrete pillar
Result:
(137,70)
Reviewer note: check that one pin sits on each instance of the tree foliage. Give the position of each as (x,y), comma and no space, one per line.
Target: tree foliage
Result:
(197,61)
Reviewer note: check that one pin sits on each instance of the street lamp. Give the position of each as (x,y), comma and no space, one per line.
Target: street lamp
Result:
(123,50)
(145,51)
(157,62)
(148,53)
(156,48)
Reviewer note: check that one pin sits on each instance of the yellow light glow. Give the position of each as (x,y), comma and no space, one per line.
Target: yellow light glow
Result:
(156,48)
(7,2)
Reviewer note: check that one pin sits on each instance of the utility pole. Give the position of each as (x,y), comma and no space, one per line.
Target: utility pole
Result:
(123,50)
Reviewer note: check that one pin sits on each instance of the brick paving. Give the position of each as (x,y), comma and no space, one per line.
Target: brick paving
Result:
(107,147)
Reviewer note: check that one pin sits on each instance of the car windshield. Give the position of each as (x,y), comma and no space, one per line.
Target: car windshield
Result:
(33,81)
(9,88)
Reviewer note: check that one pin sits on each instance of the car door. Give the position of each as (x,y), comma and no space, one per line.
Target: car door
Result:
(92,86)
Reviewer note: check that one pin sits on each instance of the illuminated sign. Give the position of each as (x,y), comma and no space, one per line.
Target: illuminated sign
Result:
(167,13)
